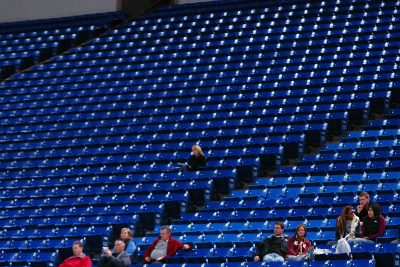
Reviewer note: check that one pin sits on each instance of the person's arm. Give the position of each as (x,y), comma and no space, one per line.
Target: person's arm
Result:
(173,246)
(148,251)
(291,247)
(130,248)
(381,229)
(203,161)
(122,260)
(362,230)
(308,245)
(357,232)
(284,247)
(87,262)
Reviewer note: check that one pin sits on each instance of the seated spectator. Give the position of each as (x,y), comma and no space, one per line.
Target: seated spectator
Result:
(126,236)
(197,159)
(363,207)
(298,245)
(348,224)
(163,247)
(274,247)
(117,259)
(374,224)
(78,259)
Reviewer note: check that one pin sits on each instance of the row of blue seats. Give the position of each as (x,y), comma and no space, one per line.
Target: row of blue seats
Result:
(218,133)
(121,64)
(301,78)
(338,177)
(24,257)
(150,207)
(26,27)
(11,42)
(241,8)
(217,55)
(220,100)
(347,38)
(256,226)
(357,153)
(201,112)
(345,263)
(70,176)
(65,231)
(62,221)
(151,130)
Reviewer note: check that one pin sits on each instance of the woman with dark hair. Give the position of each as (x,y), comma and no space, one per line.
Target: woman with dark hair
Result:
(298,244)
(348,224)
(374,224)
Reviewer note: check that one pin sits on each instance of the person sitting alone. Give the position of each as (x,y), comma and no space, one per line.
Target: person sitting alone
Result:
(197,159)
(163,247)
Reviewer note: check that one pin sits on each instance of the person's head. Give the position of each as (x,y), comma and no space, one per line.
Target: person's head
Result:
(364,199)
(196,150)
(347,213)
(126,234)
(374,211)
(301,231)
(165,233)
(77,248)
(279,228)
(119,246)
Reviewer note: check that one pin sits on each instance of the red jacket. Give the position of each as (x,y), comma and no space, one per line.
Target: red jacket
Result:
(172,248)
(297,246)
(77,262)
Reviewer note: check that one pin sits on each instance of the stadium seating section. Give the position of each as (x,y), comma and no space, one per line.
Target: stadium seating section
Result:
(296,104)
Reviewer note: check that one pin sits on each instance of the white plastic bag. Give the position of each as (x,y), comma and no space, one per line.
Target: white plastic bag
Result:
(343,247)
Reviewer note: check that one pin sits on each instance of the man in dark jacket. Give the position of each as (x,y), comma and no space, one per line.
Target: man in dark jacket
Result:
(119,259)
(274,247)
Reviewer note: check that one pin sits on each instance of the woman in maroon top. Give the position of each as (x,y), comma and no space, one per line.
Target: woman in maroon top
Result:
(374,224)
(298,244)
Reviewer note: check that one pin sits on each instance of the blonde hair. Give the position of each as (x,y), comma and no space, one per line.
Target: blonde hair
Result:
(198,148)
(129,232)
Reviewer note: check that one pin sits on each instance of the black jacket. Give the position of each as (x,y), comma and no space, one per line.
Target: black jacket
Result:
(263,248)
(196,162)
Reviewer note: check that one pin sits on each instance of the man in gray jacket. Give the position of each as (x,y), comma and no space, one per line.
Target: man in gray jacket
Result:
(119,259)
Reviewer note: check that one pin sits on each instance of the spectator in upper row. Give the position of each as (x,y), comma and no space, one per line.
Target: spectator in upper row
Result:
(274,248)
(197,159)
(79,259)
(163,247)
(363,207)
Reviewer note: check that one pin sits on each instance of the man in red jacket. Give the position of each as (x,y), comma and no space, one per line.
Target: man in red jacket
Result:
(163,247)
(78,259)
